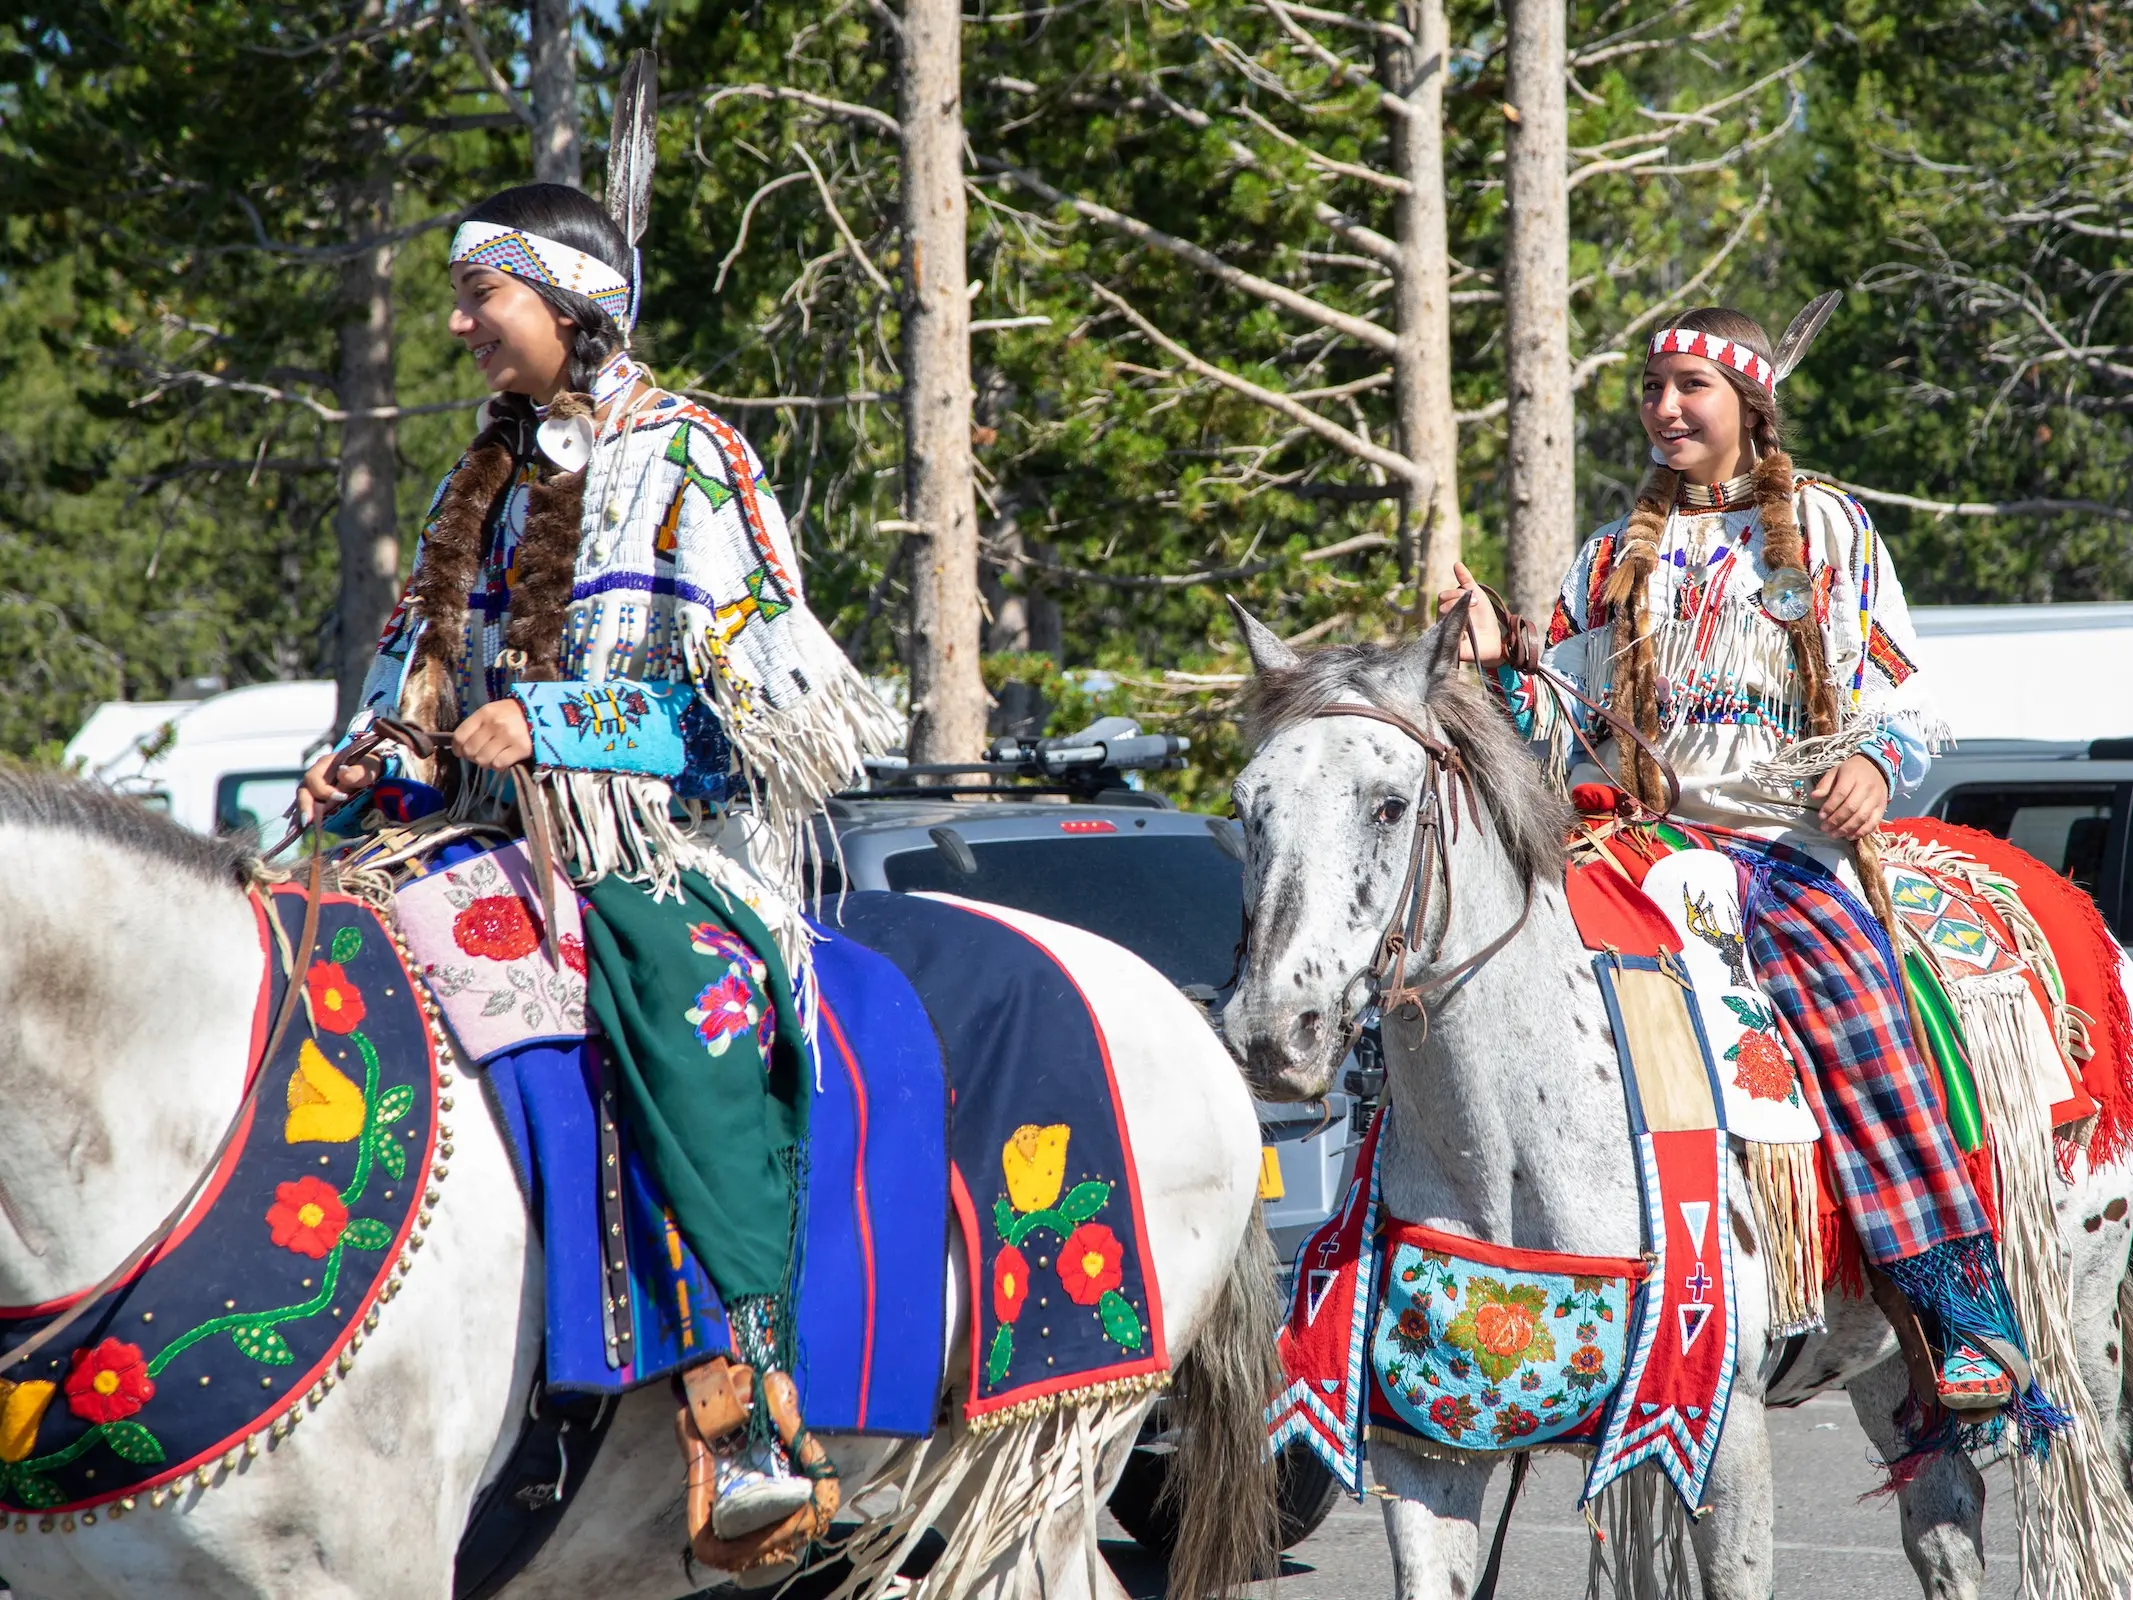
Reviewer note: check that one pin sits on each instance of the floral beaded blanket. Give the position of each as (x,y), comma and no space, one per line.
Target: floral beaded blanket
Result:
(240,1324)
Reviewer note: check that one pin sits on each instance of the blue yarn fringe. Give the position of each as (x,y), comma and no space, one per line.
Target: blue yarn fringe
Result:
(1958,1284)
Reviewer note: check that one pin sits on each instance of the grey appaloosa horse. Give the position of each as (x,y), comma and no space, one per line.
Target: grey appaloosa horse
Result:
(130,965)
(1507,1123)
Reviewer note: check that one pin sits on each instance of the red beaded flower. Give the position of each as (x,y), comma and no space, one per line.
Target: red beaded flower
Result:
(1010,1284)
(109,1382)
(1089,1263)
(499,926)
(307,1216)
(336,1004)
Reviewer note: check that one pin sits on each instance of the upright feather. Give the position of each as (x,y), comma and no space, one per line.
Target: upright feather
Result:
(1792,349)
(633,145)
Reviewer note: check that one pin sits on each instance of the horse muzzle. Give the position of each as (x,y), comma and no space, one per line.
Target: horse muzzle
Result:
(1288,1053)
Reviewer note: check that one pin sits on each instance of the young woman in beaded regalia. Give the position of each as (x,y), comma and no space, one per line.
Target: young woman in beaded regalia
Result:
(606,595)
(1747,620)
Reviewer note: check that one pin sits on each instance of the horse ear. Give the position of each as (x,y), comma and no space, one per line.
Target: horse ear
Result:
(1267,652)
(1433,655)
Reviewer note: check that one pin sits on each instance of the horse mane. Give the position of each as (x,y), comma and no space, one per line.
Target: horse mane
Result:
(35,799)
(1532,821)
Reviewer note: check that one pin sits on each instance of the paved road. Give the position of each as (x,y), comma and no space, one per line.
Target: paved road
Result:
(1829,1546)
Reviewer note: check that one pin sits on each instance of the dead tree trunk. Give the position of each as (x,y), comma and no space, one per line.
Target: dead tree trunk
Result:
(1422,310)
(555,94)
(947,690)
(365,524)
(1540,525)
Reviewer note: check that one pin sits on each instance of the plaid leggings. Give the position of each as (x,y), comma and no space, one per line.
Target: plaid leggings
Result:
(1825,962)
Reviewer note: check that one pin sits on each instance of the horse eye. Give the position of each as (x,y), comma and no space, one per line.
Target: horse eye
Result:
(1391,809)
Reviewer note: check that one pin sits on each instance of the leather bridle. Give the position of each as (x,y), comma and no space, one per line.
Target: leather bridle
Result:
(1445,783)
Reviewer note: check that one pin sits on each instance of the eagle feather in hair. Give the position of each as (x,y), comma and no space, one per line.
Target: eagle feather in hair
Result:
(633,145)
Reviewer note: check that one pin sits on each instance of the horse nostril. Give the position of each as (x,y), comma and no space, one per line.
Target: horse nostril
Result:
(1306,1024)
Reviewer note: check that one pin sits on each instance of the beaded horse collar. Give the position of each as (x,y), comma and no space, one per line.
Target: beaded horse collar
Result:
(246,1312)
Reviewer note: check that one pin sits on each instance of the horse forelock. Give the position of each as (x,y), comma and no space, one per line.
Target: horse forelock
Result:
(1531,820)
(50,801)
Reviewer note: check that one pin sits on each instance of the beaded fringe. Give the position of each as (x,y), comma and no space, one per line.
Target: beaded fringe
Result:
(2075,1520)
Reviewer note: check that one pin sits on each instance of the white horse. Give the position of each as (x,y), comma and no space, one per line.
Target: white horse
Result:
(1507,1122)
(129,967)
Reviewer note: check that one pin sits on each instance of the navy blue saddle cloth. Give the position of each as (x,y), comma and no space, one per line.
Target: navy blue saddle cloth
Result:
(959,1074)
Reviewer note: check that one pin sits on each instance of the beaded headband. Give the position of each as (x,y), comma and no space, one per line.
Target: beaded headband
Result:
(1710,346)
(544,260)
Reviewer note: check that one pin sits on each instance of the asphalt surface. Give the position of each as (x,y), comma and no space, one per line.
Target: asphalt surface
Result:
(1830,1545)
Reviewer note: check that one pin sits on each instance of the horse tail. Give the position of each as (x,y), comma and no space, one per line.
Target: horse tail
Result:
(1222,1476)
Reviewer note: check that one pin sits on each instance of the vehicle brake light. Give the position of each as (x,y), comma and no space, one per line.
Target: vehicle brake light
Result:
(1091,825)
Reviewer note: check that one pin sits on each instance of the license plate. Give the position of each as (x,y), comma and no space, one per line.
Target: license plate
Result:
(1270,1173)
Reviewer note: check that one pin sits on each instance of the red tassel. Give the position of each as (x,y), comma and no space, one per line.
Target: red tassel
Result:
(1984,1177)
(1842,1262)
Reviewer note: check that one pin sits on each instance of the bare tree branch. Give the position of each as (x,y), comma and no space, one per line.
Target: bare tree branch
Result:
(740,238)
(1993,508)
(844,229)
(167,381)
(793,402)
(1186,580)
(1353,443)
(1214,266)
(814,102)
(1344,169)
(486,67)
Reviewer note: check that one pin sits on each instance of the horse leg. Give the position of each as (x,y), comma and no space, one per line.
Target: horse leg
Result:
(1434,1524)
(1732,1539)
(1943,1506)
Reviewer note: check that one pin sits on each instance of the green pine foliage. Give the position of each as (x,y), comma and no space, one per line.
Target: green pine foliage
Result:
(1957,168)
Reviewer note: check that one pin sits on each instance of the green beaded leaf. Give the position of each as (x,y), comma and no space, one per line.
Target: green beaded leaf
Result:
(33,1493)
(1003,1220)
(368,1233)
(261,1342)
(395,1103)
(133,1442)
(1002,1352)
(347,945)
(392,1157)
(1122,1324)
(1084,1200)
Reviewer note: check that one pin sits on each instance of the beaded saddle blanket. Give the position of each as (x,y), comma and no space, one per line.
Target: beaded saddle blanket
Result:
(240,1324)
(958,1072)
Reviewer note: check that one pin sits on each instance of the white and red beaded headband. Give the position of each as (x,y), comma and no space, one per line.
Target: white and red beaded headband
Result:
(540,259)
(1769,373)
(1712,347)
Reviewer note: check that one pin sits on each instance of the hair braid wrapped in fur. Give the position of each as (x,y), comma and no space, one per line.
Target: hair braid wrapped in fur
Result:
(547,562)
(1628,591)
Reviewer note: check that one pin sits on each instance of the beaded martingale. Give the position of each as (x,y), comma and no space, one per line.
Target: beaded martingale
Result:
(244,1321)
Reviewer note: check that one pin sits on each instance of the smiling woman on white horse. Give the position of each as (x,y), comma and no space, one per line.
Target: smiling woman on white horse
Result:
(1749,624)
(606,600)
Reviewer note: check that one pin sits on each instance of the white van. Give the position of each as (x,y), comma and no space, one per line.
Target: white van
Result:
(228,763)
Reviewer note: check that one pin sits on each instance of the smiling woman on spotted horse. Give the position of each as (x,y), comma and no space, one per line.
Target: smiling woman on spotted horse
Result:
(605,603)
(1749,624)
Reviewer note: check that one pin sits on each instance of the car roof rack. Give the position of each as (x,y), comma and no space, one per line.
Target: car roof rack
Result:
(1089,765)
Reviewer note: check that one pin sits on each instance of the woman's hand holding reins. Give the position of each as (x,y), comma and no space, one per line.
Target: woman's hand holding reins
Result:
(330,783)
(495,737)
(1481,620)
